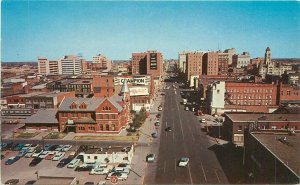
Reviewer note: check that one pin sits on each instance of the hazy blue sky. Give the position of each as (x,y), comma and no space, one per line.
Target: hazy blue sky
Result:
(117,29)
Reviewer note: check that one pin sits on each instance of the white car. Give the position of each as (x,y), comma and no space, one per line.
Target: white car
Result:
(121,170)
(150,158)
(186,108)
(58,156)
(66,148)
(43,154)
(184,161)
(37,153)
(99,171)
(74,163)
(29,153)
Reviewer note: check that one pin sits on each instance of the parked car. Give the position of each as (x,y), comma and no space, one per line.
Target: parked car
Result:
(50,155)
(98,170)
(22,153)
(124,165)
(101,183)
(154,135)
(37,152)
(184,161)
(186,108)
(35,161)
(121,170)
(19,147)
(168,129)
(150,157)
(64,162)
(160,108)
(73,163)
(43,154)
(202,120)
(66,148)
(120,176)
(157,123)
(12,182)
(59,148)
(12,160)
(58,156)
(84,168)
(158,115)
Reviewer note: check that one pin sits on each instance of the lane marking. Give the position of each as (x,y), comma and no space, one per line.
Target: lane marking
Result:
(217,176)
(191,179)
(180,121)
(203,172)
(165,163)
(175,164)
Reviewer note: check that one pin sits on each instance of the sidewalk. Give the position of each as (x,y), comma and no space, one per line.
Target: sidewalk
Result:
(139,163)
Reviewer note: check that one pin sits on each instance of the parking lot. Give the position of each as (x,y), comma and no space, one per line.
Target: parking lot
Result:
(22,171)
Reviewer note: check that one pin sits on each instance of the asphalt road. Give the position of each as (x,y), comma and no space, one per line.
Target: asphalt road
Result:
(185,140)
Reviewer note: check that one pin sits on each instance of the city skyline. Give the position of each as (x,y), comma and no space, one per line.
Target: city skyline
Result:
(118,29)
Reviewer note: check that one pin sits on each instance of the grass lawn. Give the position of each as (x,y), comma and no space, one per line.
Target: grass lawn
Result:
(26,135)
(55,135)
(108,138)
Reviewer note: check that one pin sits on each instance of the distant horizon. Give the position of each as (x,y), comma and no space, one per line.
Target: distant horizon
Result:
(118,29)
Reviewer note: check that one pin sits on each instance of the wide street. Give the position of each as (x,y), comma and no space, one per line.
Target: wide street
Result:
(185,140)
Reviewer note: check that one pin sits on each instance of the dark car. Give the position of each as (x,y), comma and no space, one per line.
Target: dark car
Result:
(64,162)
(30,182)
(158,116)
(12,181)
(19,147)
(11,160)
(8,146)
(168,129)
(89,183)
(83,168)
(35,161)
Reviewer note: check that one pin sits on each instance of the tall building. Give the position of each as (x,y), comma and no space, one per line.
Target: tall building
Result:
(215,97)
(101,62)
(242,60)
(193,64)
(223,63)
(268,56)
(70,65)
(182,61)
(150,62)
(230,53)
(210,63)
(46,67)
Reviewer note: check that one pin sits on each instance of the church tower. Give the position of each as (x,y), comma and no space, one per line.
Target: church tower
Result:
(268,56)
(125,91)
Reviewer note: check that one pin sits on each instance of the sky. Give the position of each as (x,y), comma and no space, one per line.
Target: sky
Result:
(52,29)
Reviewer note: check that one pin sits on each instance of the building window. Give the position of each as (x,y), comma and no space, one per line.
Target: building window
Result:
(100,116)
(64,115)
(106,116)
(107,127)
(281,92)
(288,93)
(95,157)
(81,128)
(91,128)
(83,114)
(101,127)
(113,116)
(113,127)
(74,114)
(240,128)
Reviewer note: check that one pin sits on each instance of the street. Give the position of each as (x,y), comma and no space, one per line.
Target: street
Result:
(185,140)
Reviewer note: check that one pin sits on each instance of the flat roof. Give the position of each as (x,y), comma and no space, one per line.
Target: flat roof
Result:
(262,117)
(287,153)
(54,180)
(103,150)
(44,94)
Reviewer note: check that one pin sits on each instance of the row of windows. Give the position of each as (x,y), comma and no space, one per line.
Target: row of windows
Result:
(289,93)
(250,102)
(251,97)
(250,90)
(240,127)
(99,116)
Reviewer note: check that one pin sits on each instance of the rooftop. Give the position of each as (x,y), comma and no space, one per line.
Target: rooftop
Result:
(43,116)
(91,104)
(106,150)
(287,153)
(262,117)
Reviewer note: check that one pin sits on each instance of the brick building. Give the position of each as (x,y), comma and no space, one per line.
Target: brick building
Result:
(150,62)
(223,59)
(103,86)
(93,115)
(235,124)
(210,64)
(194,62)
(248,97)
(15,101)
(43,119)
(289,94)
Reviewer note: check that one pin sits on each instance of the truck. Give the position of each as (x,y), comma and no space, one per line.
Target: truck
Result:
(184,101)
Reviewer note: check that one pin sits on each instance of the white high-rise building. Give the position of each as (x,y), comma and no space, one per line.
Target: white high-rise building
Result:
(182,61)
(215,97)
(70,65)
(46,67)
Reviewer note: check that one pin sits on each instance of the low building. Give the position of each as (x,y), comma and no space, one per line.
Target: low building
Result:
(43,119)
(289,94)
(110,155)
(272,158)
(49,100)
(235,124)
(93,115)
